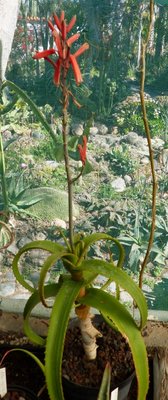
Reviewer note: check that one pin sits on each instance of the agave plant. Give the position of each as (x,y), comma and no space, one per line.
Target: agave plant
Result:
(75,289)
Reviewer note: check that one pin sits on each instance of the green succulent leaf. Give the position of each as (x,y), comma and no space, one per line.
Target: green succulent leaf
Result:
(89,240)
(87,168)
(104,392)
(59,152)
(56,336)
(46,266)
(48,245)
(122,279)
(115,311)
(50,290)
(29,353)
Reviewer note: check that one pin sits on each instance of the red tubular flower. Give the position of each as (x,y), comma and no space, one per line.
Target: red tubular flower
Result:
(57,22)
(81,49)
(72,39)
(57,73)
(43,54)
(82,150)
(71,24)
(76,69)
(63,44)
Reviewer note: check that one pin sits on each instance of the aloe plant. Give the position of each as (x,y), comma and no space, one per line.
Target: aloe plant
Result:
(75,289)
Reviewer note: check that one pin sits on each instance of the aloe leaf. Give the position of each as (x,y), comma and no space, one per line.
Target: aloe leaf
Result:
(32,105)
(29,353)
(104,392)
(46,266)
(47,245)
(122,279)
(115,311)
(56,336)
(87,168)
(50,290)
(95,237)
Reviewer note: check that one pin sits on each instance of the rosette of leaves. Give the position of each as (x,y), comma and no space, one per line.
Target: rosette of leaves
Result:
(75,288)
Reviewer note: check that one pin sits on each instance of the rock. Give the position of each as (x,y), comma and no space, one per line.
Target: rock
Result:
(131,138)
(39,236)
(34,278)
(77,129)
(118,184)
(13,249)
(112,287)
(146,288)
(157,143)
(24,240)
(10,277)
(145,161)
(134,139)
(125,297)
(165,275)
(93,130)
(51,164)
(37,135)
(102,129)
(100,280)
(112,140)
(127,179)
(114,130)
(165,159)
(59,223)
(7,289)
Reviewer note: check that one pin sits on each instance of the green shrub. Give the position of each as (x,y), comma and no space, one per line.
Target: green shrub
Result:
(120,161)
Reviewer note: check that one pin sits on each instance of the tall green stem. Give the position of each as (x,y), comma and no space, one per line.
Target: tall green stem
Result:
(3,177)
(147,130)
(66,155)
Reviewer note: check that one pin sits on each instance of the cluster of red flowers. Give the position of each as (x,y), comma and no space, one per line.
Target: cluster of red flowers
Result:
(63,45)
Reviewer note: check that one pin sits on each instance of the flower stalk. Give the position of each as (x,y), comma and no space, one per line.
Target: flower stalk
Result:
(147,130)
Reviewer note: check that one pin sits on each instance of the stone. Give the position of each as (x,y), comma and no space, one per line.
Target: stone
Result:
(127,179)
(39,236)
(125,297)
(59,223)
(7,289)
(77,129)
(37,135)
(51,164)
(157,143)
(13,249)
(34,278)
(145,161)
(114,130)
(24,240)
(118,184)
(93,130)
(131,137)
(146,288)
(102,129)
(165,275)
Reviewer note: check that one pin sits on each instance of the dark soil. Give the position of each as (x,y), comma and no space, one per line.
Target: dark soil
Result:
(112,348)
(22,370)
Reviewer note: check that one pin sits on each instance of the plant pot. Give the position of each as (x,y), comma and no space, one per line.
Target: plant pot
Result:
(75,363)
(15,392)
(78,392)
